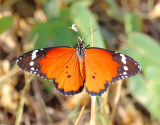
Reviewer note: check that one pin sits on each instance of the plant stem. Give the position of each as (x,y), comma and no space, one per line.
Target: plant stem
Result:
(116,100)
(21,103)
(80,115)
(93,110)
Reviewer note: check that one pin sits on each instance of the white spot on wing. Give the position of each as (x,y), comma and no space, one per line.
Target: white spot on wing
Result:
(124,73)
(139,67)
(32,68)
(125,68)
(123,58)
(34,54)
(31,63)
(35,51)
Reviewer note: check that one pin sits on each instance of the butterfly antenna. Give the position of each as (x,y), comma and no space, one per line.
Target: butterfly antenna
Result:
(74,28)
(90,33)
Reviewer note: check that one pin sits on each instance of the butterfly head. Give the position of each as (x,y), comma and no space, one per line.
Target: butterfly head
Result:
(80,49)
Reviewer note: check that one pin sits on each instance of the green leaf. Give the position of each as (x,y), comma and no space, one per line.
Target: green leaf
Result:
(145,88)
(52,34)
(152,74)
(132,23)
(52,8)
(113,10)
(81,15)
(48,85)
(6,23)
(55,32)
(147,48)
(138,88)
(44,33)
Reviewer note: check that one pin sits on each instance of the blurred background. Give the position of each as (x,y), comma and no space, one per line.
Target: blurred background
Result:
(128,26)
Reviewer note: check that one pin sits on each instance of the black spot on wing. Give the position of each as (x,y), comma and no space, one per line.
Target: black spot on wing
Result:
(93,77)
(69,76)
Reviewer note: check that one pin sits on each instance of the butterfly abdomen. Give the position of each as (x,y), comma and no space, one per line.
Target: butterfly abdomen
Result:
(82,67)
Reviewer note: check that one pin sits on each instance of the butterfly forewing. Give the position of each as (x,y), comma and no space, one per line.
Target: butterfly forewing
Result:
(29,61)
(128,67)
(59,64)
(104,67)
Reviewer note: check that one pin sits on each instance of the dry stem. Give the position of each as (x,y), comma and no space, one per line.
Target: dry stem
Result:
(116,100)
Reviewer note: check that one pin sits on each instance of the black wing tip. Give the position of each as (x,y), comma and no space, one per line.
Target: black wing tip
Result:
(18,59)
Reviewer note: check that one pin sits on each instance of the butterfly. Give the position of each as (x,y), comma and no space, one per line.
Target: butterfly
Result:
(70,68)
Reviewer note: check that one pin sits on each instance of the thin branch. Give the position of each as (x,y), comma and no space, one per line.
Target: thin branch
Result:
(116,100)
(93,110)
(11,73)
(92,35)
(21,103)
(105,103)
(80,115)
(93,98)
(47,115)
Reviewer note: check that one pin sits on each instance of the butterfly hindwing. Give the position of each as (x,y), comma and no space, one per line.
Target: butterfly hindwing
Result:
(104,67)
(59,64)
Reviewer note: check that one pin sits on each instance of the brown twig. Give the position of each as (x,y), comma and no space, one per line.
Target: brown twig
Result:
(11,73)
(47,115)
(105,103)
(21,103)
(93,110)
(93,98)
(92,36)
(116,100)
(80,114)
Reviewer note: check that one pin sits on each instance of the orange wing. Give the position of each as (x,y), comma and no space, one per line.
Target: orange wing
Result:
(62,66)
(106,66)
(59,64)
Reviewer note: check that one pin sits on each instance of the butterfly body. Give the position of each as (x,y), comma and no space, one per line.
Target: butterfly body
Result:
(80,51)
(69,68)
